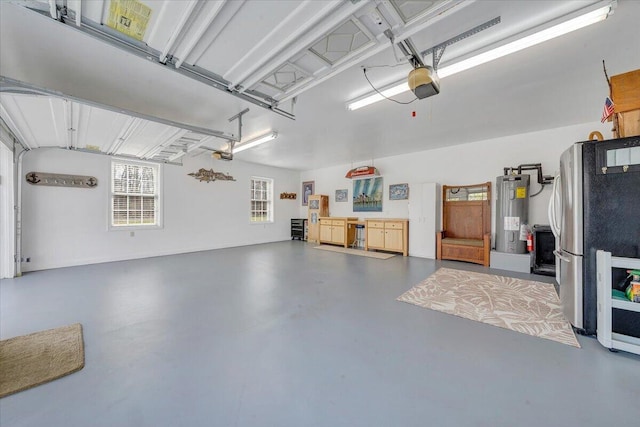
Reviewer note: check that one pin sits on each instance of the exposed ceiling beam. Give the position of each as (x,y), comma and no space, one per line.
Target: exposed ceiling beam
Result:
(54,121)
(24,133)
(251,63)
(191,40)
(433,16)
(120,156)
(13,129)
(178,30)
(127,131)
(291,46)
(152,29)
(177,155)
(173,135)
(83,123)
(197,145)
(141,50)
(15,86)
(218,23)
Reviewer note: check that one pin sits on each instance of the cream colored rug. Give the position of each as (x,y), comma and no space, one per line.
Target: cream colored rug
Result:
(359,252)
(30,360)
(524,306)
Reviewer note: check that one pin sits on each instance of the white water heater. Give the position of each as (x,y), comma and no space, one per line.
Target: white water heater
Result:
(512,213)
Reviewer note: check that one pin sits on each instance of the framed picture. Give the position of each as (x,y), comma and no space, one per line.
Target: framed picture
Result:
(341,195)
(367,195)
(398,191)
(307,190)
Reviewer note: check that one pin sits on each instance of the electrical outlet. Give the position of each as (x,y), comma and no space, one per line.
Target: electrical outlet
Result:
(132,234)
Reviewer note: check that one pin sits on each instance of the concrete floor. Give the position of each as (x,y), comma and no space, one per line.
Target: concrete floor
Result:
(284,335)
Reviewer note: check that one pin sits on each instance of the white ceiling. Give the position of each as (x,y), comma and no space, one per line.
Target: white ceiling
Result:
(310,51)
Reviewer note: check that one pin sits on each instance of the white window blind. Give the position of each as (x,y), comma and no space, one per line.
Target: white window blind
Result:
(134,194)
(261,199)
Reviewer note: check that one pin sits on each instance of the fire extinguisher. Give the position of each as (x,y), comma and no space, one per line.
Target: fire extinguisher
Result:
(530,241)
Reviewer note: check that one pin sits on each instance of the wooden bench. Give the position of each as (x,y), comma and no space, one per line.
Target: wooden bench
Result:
(466,224)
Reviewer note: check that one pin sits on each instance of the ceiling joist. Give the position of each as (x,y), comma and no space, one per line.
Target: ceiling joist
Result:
(14,86)
(134,47)
(67,119)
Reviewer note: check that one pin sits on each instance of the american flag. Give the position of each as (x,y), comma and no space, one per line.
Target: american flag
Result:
(608,109)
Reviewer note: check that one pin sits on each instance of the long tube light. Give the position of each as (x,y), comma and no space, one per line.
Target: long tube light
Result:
(580,21)
(254,142)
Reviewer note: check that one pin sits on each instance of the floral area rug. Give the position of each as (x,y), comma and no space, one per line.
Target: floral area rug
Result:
(524,306)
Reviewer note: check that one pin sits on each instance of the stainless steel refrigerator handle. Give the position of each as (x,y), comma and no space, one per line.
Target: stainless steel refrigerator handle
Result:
(552,209)
(562,257)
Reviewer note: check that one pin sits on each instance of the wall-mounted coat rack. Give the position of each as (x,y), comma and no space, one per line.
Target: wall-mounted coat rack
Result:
(59,180)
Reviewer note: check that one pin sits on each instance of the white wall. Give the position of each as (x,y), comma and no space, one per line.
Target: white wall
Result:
(69,226)
(472,163)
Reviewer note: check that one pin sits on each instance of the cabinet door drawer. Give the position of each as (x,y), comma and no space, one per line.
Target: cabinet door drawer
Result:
(375,238)
(394,225)
(339,223)
(325,222)
(375,224)
(461,252)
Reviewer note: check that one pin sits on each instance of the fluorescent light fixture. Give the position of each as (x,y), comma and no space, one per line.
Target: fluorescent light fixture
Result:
(389,92)
(254,142)
(580,21)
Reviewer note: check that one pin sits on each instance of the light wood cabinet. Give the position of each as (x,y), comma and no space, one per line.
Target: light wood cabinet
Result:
(393,240)
(388,235)
(318,207)
(325,230)
(375,237)
(335,231)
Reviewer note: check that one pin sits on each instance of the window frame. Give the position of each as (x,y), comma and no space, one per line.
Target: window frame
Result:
(270,200)
(157,170)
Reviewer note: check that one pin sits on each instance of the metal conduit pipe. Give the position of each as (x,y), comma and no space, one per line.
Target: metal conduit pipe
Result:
(18,214)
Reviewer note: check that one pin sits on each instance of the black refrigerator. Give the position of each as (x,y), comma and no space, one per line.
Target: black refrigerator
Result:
(595,205)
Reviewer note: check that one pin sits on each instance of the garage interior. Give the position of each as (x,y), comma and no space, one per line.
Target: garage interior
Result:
(202,310)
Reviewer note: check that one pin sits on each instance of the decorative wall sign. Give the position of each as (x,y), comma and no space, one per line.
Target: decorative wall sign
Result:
(367,195)
(308,188)
(362,171)
(211,175)
(59,180)
(398,191)
(291,196)
(342,195)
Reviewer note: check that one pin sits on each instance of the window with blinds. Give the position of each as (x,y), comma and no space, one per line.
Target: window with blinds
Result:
(261,199)
(135,194)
